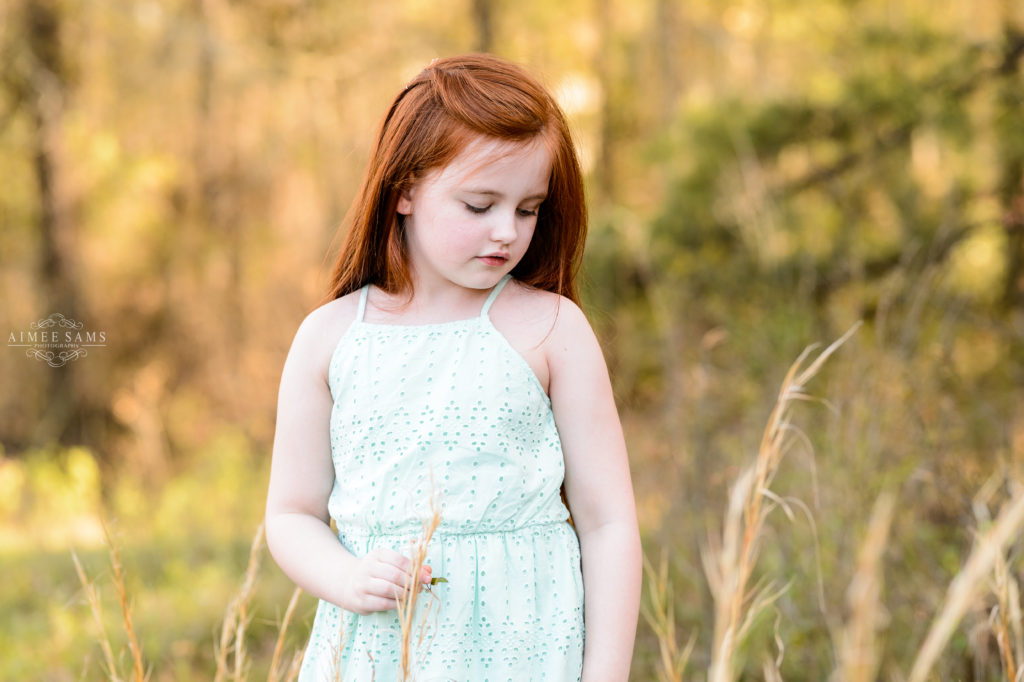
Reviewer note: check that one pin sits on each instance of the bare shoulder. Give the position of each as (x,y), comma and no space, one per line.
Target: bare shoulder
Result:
(525,312)
(572,339)
(320,331)
(541,326)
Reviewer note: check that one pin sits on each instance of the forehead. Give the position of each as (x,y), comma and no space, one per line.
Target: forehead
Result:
(483,158)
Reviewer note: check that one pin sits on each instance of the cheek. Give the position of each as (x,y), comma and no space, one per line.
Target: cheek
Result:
(454,230)
(446,234)
(526,234)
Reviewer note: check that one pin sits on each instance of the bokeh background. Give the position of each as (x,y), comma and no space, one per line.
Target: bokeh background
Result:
(762,174)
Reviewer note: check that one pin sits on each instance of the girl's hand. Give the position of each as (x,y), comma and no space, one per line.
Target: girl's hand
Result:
(377,581)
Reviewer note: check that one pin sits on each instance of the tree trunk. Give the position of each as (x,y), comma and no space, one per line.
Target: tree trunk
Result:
(217,218)
(603,168)
(483,19)
(1011,181)
(45,90)
(666,33)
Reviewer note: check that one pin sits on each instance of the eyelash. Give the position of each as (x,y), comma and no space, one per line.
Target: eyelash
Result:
(478,210)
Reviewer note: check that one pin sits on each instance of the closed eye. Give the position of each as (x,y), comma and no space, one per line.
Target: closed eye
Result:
(527,212)
(476,209)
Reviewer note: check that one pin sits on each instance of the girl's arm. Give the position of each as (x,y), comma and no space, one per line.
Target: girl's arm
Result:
(597,485)
(301,479)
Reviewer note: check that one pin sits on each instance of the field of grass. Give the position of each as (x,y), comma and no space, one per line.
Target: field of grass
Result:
(184,550)
(827,547)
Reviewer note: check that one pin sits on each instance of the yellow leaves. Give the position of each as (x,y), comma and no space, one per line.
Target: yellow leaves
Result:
(12,487)
(978,263)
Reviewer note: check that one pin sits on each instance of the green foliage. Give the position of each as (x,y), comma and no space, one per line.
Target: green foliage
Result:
(185,547)
(44,485)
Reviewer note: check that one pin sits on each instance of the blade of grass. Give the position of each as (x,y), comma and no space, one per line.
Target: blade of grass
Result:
(275,660)
(138,671)
(407,600)
(236,619)
(1004,586)
(295,667)
(965,586)
(1005,617)
(858,642)
(659,612)
(729,563)
(93,597)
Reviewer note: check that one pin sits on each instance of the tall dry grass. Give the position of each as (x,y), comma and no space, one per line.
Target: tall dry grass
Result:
(859,646)
(1005,619)
(277,669)
(407,619)
(231,656)
(93,597)
(729,560)
(659,612)
(730,557)
(230,653)
(236,619)
(988,551)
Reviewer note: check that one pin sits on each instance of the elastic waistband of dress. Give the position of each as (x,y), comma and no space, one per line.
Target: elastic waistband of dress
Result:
(442,531)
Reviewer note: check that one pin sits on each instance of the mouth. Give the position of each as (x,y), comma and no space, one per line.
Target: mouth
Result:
(494,259)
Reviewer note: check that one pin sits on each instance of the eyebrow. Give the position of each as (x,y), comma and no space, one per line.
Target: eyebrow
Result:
(493,193)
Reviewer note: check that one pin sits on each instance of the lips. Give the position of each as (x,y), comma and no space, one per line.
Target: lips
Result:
(494,259)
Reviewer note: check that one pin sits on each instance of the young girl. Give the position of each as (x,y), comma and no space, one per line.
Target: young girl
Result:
(451,360)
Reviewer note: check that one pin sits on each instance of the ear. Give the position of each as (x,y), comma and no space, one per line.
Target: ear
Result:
(405,202)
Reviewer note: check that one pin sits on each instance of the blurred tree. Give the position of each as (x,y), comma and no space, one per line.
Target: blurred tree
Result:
(40,86)
(1010,102)
(483,19)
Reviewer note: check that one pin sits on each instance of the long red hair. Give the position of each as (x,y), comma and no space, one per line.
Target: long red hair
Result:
(450,103)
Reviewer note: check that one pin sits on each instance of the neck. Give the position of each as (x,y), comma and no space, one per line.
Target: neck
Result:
(430,302)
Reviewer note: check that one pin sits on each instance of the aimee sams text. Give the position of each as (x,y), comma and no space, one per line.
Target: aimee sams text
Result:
(67,336)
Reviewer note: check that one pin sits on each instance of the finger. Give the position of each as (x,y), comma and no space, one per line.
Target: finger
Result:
(386,589)
(374,604)
(389,556)
(389,573)
(425,574)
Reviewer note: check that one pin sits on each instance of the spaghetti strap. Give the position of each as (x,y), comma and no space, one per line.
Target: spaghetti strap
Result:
(494,294)
(363,293)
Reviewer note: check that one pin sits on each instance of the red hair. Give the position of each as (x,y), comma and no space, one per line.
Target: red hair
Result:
(449,104)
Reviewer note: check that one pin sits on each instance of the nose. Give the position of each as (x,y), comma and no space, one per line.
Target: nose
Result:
(503,229)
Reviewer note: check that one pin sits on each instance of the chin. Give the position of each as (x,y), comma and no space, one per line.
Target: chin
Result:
(482,281)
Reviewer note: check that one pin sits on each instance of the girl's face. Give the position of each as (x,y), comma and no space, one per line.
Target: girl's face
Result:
(470,222)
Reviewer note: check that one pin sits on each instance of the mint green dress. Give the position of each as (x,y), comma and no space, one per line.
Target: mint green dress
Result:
(451,405)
